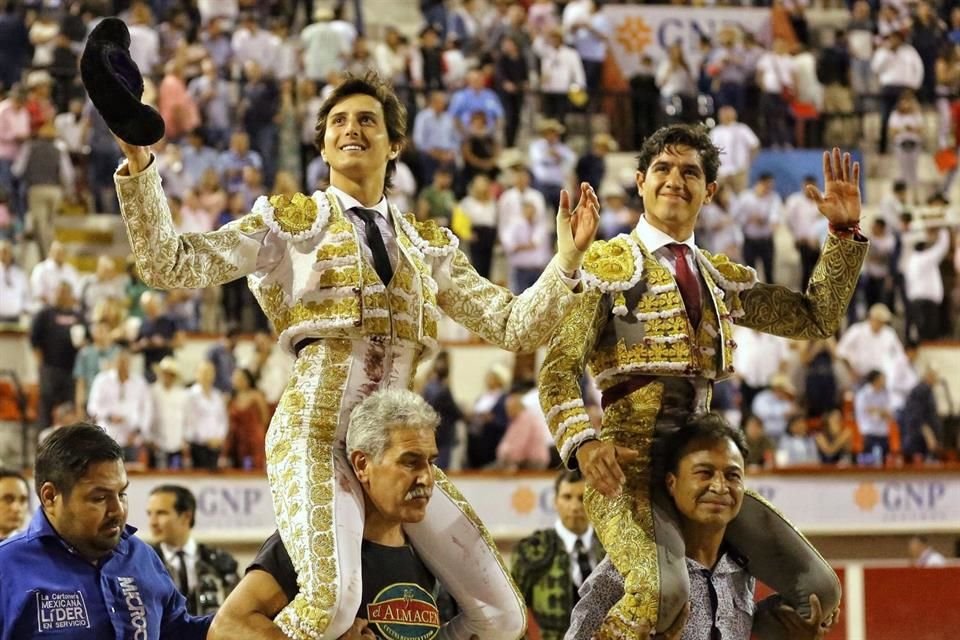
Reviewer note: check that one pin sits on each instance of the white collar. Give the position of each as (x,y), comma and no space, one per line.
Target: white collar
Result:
(654,239)
(569,538)
(348,202)
(189,549)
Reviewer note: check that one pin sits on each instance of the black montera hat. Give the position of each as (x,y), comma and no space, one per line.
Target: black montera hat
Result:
(115,85)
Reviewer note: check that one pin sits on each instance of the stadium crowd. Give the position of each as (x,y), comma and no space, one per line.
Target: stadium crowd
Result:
(509,101)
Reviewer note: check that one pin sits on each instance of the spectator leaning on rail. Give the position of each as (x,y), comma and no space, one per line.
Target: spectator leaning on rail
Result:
(78,571)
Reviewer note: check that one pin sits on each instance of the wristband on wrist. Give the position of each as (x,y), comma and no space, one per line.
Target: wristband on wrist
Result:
(852,229)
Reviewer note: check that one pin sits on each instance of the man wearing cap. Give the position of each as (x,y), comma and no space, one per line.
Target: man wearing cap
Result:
(870,344)
(655,328)
(354,288)
(551,161)
(168,429)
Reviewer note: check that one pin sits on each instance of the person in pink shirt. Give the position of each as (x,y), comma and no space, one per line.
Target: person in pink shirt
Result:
(524,445)
(14,131)
(175,104)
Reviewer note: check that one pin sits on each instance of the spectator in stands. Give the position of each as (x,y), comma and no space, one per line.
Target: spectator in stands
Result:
(738,146)
(201,164)
(14,43)
(526,243)
(878,272)
(120,402)
(861,32)
(898,68)
(760,447)
(510,82)
(46,174)
(252,43)
(479,150)
(438,395)
(249,415)
(92,358)
(870,344)
(207,421)
(759,357)
(511,201)
(550,564)
(426,61)
(834,441)
(270,365)
(481,209)
(924,283)
(616,216)
(158,335)
(176,105)
(677,80)
(928,35)
(776,82)
(257,110)
(590,32)
(719,230)
(170,417)
(472,98)
(808,103)
(361,58)
(726,65)
(820,380)
(288,139)
(105,283)
(874,415)
(103,159)
(921,430)
(759,211)
(437,201)
(56,333)
(905,129)
(894,203)
(323,48)
(435,136)
(524,444)
(235,158)
(922,554)
(200,572)
(551,161)
(14,502)
(488,419)
(144,39)
(211,94)
(796,446)
(221,354)
(15,300)
(46,277)
(561,71)
(808,227)
(592,166)
(902,376)
(775,405)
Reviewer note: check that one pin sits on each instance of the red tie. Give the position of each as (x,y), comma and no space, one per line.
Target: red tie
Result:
(688,283)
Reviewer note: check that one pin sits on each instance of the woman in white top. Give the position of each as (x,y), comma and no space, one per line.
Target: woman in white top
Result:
(675,77)
(481,209)
(905,129)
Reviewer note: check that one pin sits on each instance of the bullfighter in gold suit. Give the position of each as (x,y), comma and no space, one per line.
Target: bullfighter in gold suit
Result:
(655,329)
(354,288)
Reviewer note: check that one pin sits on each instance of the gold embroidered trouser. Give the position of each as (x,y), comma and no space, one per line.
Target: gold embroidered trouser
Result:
(320,512)
(640,531)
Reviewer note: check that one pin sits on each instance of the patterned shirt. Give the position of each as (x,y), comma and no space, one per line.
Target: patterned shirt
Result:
(728,585)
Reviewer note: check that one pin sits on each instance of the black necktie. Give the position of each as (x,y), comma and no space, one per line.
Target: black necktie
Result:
(381,261)
(182,580)
(583,560)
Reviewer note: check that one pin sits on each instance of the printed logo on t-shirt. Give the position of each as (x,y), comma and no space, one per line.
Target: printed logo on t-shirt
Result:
(135,606)
(404,611)
(61,610)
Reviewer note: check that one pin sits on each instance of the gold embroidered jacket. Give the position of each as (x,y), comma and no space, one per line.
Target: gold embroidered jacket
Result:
(631,321)
(303,262)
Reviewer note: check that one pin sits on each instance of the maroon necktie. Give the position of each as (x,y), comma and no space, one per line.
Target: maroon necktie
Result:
(688,283)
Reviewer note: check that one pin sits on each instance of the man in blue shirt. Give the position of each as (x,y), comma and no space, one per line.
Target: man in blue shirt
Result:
(475,97)
(77,572)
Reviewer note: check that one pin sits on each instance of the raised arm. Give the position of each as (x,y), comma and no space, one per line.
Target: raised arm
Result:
(816,313)
(522,322)
(169,260)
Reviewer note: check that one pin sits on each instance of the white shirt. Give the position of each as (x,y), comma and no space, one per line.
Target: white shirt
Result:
(47,276)
(481,213)
(902,68)
(804,219)
(14,291)
(901,378)
(867,405)
(510,204)
(170,419)
(776,72)
(560,68)
(190,556)
(656,242)
(569,539)
(866,350)
(931,558)
(520,232)
(130,400)
(207,415)
(144,47)
(921,269)
(773,411)
(348,202)
(758,355)
(261,47)
(736,142)
(909,126)
(759,215)
(551,163)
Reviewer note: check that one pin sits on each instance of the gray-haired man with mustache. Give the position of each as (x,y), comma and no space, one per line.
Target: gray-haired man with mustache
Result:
(391,446)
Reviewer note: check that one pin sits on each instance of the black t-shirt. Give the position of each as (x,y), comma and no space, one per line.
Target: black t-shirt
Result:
(398,589)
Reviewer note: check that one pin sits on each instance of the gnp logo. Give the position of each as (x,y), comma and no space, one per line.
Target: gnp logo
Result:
(918,500)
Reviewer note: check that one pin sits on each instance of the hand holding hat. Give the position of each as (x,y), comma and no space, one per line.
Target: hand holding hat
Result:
(115,86)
